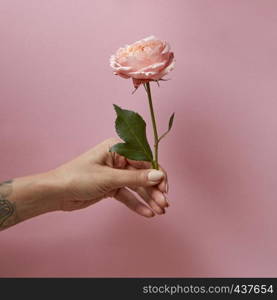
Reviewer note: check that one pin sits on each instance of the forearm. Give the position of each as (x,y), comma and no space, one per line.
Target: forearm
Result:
(26,197)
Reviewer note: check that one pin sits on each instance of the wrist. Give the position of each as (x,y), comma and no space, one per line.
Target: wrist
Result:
(50,190)
(35,195)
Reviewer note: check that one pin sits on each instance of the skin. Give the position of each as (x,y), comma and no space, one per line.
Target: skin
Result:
(95,175)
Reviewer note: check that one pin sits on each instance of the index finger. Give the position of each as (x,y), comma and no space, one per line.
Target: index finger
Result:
(139,164)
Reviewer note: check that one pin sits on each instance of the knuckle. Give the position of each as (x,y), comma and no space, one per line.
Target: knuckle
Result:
(140,178)
(137,178)
(111,141)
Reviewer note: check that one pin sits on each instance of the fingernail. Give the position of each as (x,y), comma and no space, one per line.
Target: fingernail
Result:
(167,187)
(155,175)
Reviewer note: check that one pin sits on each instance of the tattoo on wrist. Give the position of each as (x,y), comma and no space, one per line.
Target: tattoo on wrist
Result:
(7,208)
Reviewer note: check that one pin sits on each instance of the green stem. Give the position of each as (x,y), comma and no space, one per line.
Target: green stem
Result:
(155,163)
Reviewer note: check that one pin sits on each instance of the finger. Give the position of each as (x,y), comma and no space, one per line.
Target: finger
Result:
(130,200)
(151,202)
(119,161)
(134,178)
(139,164)
(108,143)
(157,196)
(151,193)
(163,186)
(114,160)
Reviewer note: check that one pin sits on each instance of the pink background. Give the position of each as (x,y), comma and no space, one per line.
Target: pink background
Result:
(57,90)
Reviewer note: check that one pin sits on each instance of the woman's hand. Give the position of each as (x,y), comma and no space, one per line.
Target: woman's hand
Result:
(92,176)
(99,174)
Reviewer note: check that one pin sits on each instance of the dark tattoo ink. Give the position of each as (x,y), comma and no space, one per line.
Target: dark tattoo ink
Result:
(7,208)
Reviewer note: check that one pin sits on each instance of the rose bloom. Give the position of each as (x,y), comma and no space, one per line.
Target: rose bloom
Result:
(146,60)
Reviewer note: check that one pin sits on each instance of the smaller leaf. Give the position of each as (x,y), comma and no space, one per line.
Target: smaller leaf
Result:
(170,123)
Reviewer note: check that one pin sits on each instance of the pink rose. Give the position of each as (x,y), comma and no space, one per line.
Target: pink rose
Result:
(146,60)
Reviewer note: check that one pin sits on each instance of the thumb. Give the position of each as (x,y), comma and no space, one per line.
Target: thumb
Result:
(135,178)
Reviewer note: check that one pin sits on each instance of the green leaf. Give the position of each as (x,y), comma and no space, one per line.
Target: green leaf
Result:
(170,123)
(131,128)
